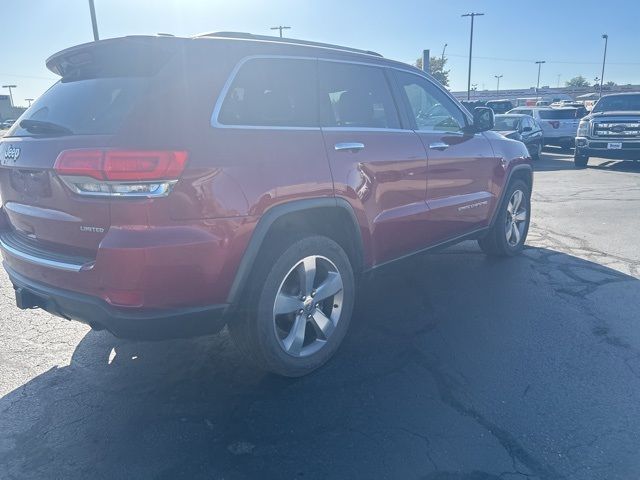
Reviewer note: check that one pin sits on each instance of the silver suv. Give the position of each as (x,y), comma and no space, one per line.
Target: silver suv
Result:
(558,124)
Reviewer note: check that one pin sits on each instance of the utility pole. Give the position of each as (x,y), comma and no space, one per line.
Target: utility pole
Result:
(539,62)
(498,77)
(604,60)
(443,50)
(28,100)
(94,22)
(10,94)
(473,15)
(280,28)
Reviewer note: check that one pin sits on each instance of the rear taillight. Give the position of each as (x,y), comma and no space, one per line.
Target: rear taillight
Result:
(554,123)
(141,173)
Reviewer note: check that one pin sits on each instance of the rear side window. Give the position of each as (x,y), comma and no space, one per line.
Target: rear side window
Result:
(272,92)
(563,114)
(84,107)
(355,96)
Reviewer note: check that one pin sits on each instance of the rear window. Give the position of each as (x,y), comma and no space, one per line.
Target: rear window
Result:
(563,114)
(92,106)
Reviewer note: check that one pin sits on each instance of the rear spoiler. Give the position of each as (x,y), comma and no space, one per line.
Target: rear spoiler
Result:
(124,56)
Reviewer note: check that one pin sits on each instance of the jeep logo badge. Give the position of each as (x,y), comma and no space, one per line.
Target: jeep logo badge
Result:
(12,153)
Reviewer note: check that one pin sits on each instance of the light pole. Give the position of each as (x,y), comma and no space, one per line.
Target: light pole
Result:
(473,15)
(443,50)
(539,62)
(604,60)
(10,93)
(498,77)
(280,28)
(28,100)
(94,22)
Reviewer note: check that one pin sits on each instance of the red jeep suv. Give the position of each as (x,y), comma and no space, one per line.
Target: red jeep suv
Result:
(166,187)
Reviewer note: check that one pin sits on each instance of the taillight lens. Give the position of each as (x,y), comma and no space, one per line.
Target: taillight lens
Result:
(120,172)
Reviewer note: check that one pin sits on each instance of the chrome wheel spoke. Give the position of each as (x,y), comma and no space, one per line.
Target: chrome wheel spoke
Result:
(521,216)
(516,234)
(329,287)
(517,200)
(510,206)
(307,275)
(295,339)
(286,304)
(509,232)
(323,324)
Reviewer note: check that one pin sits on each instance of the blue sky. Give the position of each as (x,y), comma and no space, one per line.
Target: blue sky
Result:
(508,39)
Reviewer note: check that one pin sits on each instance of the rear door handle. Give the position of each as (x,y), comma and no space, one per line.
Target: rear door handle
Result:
(438,146)
(352,147)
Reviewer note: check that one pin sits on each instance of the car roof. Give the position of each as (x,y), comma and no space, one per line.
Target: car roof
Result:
(511,115)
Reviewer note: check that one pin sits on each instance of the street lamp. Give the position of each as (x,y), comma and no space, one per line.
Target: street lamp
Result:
(94,22)
(473,15)
(10,94)
(604,60)
(28,100)
(280,28)
(539,62)
(443,50)
(498,77)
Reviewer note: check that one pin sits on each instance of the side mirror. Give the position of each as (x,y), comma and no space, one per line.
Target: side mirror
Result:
(527,129)
(483,119)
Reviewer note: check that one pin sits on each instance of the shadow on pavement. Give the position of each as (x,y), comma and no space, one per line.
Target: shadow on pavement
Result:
(456,367)
(554,159)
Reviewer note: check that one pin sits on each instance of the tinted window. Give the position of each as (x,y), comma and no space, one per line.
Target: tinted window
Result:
(618,103)
(93,106)
(356,96)
(523,112)
(564,114)
(272,93)
(430,107)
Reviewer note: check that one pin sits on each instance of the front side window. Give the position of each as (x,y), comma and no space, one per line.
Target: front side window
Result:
(272,92)
(355,96)
(431,108)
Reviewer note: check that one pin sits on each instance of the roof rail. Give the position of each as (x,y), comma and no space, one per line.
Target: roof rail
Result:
(250,36)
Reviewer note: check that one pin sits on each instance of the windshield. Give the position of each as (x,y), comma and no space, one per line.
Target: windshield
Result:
(83,107)
(506,123)
(559,114)
(622,103)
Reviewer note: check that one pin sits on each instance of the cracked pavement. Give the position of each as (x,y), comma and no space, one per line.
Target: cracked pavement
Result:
(457,367)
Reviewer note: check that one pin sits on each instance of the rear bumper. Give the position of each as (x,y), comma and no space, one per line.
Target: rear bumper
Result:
(559,141)
(598,148)
(135,323)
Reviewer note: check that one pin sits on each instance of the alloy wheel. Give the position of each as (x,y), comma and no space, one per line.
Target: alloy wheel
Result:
(307,306)
(516,218)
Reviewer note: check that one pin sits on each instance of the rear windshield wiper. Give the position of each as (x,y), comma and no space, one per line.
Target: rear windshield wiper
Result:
(40,126)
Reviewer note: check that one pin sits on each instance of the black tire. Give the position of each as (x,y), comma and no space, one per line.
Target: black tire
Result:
(580,161)
(495,242)
(255,332)
(537,151)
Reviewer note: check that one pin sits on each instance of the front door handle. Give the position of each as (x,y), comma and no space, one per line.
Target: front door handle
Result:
(352,147)
(439,146)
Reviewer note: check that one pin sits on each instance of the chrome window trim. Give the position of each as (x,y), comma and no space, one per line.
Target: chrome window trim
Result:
(43,262)
(234,72)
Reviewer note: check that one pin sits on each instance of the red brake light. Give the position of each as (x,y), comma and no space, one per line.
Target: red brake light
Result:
(122,165)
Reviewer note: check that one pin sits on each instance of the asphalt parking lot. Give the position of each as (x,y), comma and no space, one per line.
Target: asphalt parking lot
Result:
(457,367)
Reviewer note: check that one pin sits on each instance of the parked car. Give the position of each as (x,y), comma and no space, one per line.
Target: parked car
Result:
(611,130)
(579,106)
(523,128)
(168,186)
(7,123)
(558,124)
(500,106)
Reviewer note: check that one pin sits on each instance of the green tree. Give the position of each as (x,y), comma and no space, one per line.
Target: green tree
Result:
(578,81)
(437,69)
